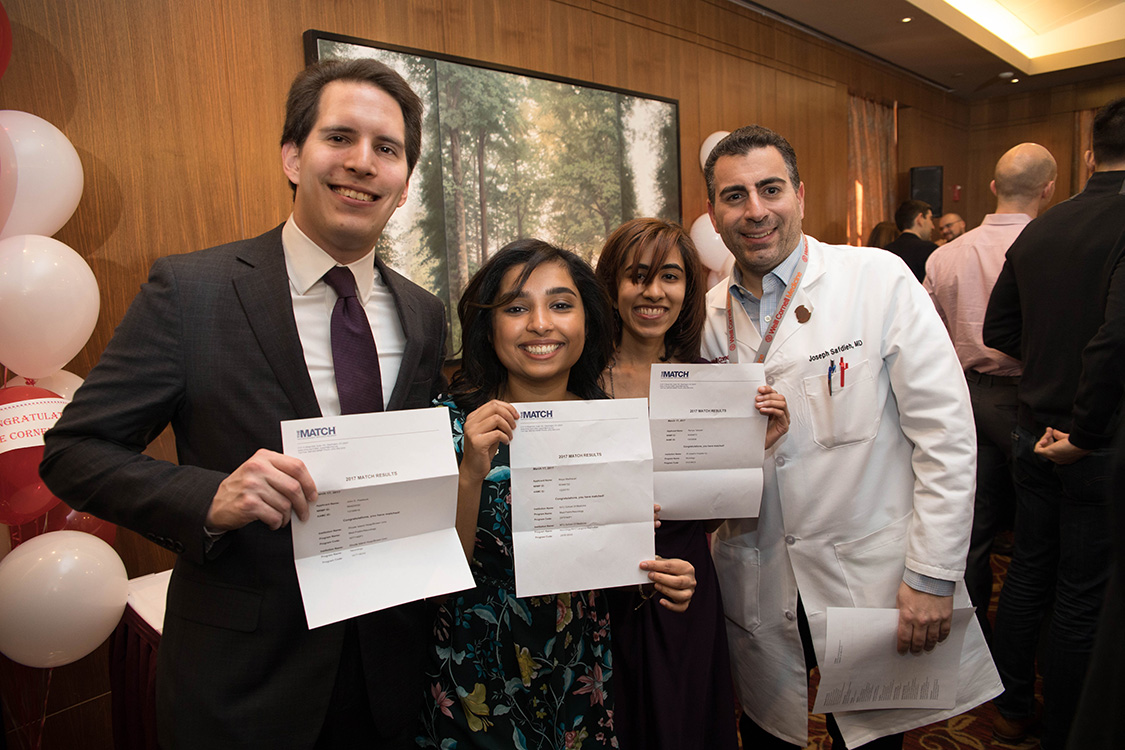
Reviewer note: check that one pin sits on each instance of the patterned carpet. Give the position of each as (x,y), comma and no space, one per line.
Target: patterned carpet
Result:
(969,731)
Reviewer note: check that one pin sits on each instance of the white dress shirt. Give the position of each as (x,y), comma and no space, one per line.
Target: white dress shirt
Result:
(313,301)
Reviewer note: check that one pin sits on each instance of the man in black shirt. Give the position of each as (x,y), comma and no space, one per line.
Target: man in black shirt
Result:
(915,219)
(1048,303)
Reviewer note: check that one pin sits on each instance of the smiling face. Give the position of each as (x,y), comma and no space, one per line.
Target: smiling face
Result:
(351,172)
(649,300)
(757,211)
(539,335)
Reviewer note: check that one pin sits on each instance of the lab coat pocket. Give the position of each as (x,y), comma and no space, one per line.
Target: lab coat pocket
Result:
(873,565)
(843,415)
(738,570)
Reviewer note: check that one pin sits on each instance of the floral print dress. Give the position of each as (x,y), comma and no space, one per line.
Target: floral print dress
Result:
(505,672)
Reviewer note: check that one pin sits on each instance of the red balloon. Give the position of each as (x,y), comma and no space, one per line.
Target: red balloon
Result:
(12,393)
(23,496)
(62,518)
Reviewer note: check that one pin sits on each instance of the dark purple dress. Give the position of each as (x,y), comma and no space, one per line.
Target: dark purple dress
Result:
(671,671)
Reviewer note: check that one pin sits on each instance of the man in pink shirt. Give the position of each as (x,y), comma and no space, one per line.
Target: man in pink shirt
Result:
(959,277)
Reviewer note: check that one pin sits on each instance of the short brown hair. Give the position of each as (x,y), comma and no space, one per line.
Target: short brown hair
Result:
(909,211)
(682,340)
(304,99)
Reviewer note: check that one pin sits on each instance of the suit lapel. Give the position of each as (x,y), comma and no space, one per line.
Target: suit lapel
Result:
(402,289)
(263,291)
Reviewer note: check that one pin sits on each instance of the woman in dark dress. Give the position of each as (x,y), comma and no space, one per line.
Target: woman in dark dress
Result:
(532,672)
(672,671)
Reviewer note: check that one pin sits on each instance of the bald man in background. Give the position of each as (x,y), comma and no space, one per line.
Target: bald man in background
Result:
(959,277)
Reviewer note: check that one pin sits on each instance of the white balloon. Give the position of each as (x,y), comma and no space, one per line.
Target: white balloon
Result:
(62,382)
(709,144)
(715,277)
(61,595)
(710,245)
(48,304)
(42,174)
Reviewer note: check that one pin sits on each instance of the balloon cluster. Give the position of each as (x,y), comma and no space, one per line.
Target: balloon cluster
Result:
(62,587)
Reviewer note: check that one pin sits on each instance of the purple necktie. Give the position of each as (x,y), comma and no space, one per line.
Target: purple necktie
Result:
(354,357)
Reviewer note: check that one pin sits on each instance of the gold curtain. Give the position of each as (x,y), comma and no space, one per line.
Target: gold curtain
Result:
(872,166)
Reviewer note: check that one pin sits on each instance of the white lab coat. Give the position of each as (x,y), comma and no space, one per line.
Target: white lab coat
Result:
(874,477)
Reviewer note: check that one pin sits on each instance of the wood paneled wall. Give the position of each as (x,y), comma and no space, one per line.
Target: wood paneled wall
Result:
(1047,118)
(927,140)
(175,109)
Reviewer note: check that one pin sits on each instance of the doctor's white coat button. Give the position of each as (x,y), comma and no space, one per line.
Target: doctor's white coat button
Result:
(790,616)
(790,539)
(769,380)
(779,461)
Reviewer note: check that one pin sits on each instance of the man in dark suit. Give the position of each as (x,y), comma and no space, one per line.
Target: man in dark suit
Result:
(915,219)
(224,344)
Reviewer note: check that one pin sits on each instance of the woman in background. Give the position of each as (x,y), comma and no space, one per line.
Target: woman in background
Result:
(883,234)
(532,672)
(672,671)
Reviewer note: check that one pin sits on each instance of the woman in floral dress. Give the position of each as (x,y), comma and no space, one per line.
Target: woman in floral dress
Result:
(535,672)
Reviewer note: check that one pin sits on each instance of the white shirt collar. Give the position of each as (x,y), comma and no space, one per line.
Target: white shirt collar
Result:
(306,263)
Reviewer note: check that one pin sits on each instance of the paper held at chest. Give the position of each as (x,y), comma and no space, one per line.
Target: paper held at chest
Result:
(382,531)
(707,440)
(581,495)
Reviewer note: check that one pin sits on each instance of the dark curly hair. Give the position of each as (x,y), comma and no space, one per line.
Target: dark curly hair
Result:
(482,376)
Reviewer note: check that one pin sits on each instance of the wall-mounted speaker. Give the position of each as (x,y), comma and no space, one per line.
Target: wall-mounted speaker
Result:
(925,185)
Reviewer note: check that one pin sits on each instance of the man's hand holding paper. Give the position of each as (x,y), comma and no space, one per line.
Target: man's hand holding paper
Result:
(386,502)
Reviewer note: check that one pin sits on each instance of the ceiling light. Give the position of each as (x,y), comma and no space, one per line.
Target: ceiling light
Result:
(1014,80)
(908,19)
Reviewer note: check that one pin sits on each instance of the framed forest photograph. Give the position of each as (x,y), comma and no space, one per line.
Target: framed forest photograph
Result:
(509,154)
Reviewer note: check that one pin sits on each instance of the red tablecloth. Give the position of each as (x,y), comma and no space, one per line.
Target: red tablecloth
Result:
(132,678)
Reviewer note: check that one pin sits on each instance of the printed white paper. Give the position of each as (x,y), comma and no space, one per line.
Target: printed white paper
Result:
(708,440)
(862,669)
(382,530)
(581,495)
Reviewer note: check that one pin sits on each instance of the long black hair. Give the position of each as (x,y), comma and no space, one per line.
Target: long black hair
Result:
(482,376)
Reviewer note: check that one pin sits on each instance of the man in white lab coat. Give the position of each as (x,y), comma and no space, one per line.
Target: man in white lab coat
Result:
(868,499)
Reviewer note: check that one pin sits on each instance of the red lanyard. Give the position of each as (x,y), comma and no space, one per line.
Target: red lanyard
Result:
(767,339)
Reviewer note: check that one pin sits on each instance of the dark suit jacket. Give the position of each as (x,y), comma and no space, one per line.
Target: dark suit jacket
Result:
(210,346)
(914,250)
